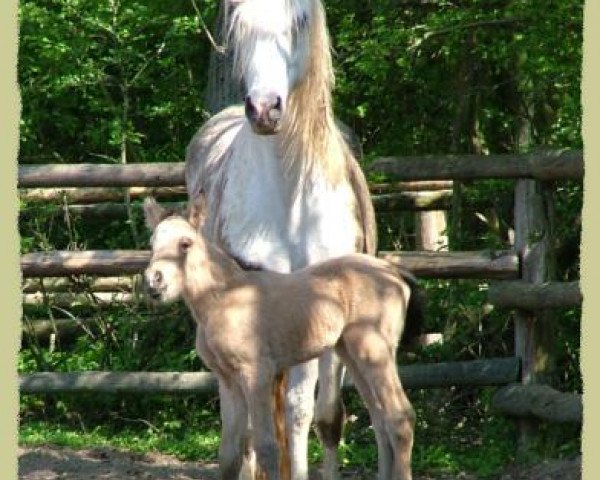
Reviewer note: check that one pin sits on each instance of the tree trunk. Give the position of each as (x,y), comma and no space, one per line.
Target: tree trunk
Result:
(222,90)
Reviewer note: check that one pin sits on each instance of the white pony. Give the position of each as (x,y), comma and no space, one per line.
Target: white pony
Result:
(283,189)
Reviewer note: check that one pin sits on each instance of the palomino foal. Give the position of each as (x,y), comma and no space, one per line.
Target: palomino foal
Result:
(253,325)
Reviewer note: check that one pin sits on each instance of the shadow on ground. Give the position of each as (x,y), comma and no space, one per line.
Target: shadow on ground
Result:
(55,463)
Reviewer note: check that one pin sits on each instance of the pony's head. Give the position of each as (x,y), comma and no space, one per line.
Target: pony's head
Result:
(174,234)
(272,43)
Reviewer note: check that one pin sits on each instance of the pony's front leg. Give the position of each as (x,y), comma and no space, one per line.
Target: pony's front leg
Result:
(234,426)
(299,410)
(329,413)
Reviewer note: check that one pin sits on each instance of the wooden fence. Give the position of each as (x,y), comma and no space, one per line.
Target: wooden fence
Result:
(521,275)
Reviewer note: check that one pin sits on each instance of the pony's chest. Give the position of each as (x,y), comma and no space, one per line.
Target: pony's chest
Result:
(323,222)
(263,223)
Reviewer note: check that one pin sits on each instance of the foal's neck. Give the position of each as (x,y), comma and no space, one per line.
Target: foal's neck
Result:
(208,272)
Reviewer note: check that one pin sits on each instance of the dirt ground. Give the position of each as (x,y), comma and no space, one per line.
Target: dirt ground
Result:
(54,463)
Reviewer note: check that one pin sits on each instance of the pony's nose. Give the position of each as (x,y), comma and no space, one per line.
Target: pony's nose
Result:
(264,112)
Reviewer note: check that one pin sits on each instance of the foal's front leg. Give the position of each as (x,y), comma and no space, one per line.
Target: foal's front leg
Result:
(234,426)
(234,417)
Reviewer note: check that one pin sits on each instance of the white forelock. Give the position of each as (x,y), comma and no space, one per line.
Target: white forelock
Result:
(270,16)
(266,20)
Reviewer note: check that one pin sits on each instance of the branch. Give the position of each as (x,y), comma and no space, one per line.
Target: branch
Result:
(498,22)
(218,48)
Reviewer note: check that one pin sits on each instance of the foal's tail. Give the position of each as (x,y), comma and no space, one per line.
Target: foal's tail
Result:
(415,312)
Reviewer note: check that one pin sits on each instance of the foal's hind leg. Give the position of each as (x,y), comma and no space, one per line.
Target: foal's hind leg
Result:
(374,359)
(258,391)
(385,457)
(329,412)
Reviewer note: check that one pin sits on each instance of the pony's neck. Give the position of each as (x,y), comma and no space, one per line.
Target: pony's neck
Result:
(309,137)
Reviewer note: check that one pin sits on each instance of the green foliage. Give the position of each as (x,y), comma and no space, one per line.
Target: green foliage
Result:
(449,78)
(96,74)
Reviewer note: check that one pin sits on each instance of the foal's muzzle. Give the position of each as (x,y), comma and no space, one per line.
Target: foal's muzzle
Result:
(153,284)
(264,113)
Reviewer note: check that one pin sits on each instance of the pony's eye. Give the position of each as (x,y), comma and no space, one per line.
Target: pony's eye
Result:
(231,5)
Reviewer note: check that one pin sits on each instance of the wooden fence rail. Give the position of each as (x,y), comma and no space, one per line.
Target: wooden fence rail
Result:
(67,299)
(531,296)
(552,165)
(78,195)
(99,284)
(543,166)
(495,371)
(495,265)
(386,202)
(540,401)
(101,175)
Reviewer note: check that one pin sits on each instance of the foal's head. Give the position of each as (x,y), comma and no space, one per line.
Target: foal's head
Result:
(173,237)
(271,42)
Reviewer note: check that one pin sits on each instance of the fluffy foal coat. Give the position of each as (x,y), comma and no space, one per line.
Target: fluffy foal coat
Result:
(253,325)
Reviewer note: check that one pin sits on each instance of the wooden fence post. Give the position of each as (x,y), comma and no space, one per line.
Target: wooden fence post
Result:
(432,234)
(534,330)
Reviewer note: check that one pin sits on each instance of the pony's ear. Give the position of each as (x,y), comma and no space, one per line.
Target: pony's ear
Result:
(153,213)
(197,211)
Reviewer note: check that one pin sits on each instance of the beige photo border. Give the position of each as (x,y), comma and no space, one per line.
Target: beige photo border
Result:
(590,265)
(10,298)
(10,292)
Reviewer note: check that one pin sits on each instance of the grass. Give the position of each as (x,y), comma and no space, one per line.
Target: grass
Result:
(202,444)
(189,445)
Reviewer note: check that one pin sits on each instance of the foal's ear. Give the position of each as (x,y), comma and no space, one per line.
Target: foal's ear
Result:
(197,211)
(153,213)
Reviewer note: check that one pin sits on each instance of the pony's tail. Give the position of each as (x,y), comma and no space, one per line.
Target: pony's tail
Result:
(279,389)
(415,311)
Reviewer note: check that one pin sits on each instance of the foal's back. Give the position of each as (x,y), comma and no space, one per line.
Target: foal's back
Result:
(291,318)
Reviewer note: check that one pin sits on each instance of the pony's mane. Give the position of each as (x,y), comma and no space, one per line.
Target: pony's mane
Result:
(309,136)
